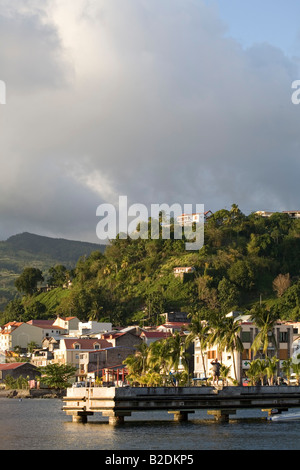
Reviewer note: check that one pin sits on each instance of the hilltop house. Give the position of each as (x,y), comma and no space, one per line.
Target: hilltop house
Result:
(189,219)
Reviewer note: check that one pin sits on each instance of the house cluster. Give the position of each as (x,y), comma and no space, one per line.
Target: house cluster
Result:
(97,350)
(287,337)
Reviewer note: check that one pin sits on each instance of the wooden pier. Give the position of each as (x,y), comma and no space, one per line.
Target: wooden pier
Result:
(117,403)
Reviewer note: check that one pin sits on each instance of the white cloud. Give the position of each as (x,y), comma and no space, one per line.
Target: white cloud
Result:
(147,99)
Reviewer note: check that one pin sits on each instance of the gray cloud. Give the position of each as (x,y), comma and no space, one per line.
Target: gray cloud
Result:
(138,98)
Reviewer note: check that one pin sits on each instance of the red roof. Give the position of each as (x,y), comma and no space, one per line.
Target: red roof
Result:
(13,323)
(156,334)
(42,323)
(114,335)
(11,365)
(86,343)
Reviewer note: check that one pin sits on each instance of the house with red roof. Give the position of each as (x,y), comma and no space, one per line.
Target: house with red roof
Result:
(18,334)
(49,327)
(17,369)
(71,349)
(173,326)
(68,323)
(127,338)
(155,335)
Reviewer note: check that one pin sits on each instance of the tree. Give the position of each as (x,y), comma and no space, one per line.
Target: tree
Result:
(227,335)
(159,357)
(286,368)
(242,273)
(271,368)
(281,283)
(178,353)
(199,331)
(296,368)
(137,363)
(28,280)
(58,275)
(14,311)
(257,370)
(265,321)
(31,346)
(57,375)
(228,295)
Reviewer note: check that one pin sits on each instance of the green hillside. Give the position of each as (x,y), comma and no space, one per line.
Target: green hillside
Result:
(245,261)
(30,250)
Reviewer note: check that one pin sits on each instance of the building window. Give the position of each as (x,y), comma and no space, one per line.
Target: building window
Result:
(246,354)
(283,336)
(211,354)
(246,337)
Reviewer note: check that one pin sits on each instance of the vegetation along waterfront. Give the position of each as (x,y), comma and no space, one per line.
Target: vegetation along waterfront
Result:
(249,266)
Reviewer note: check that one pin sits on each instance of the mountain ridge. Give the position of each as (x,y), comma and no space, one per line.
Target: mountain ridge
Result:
(39,251)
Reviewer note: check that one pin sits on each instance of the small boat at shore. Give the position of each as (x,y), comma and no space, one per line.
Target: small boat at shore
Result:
(284,416)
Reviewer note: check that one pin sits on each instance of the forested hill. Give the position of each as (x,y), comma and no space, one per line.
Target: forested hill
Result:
(245,261)
(27,249)
(60,249)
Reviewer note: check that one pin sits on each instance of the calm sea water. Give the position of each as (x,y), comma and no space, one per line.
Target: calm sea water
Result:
(40,424)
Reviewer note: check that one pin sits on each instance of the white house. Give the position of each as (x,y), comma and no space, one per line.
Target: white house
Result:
(283,332)
(91,328)
(19,334)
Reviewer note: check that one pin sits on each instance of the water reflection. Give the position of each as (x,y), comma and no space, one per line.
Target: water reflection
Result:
(41,424)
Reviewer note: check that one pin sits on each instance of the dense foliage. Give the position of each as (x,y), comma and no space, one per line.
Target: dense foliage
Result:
(27,250)
(245,261)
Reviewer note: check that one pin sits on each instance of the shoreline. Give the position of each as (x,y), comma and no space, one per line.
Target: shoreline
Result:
(32,393)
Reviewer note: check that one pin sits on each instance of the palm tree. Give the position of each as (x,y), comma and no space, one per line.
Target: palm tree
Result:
(257,370)
(199,331)
(286,367)
(296,369)
(232,340)
(252,372)
(136,363)
(159,357)
(227,336)
(271,368)
(265,321)
(224,374)
(261,369)
(177,352)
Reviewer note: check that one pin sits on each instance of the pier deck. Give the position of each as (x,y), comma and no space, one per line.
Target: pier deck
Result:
(117,403)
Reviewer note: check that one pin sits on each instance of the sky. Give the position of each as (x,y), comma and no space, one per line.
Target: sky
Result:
(162,101)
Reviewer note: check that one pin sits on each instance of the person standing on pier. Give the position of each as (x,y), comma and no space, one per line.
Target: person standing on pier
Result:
(216,366)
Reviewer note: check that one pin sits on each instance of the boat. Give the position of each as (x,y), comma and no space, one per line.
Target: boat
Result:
(285,416)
